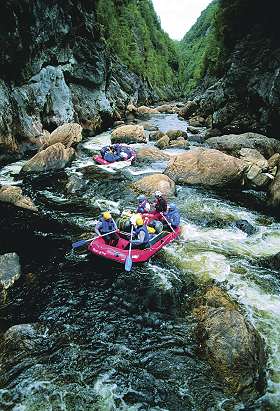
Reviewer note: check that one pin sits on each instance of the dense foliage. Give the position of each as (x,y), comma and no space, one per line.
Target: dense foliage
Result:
(207,46)
(199,49)
(133,32)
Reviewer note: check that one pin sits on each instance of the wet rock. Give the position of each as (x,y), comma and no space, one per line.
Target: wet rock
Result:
(149,127)
(193,130)
(147,110)
(233,143)
(76,182)
(245,226)
(118,123)
(151,154)
(129,134)
(274,190)
(274,161)
(163,142)
(180,143)
(22,337)
(212,132)
(206,167)
(231,345)
(54,157)
(167,108)
(256,167)
(152,183)
(68,134)
(197,138)
(175,134)
(9,270)
(156,136)
(197,121)
(188,110)
(13,195)
(272,261)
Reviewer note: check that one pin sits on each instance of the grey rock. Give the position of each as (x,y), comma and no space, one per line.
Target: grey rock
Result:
(9,270)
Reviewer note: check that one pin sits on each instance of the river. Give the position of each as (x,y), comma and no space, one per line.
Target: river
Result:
(110,340)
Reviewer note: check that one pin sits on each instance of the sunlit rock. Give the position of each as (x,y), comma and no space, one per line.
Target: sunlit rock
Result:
(233,143)
(54,157)
(68,134)
(206,167)
(14,195)
(129,134)
(149,153)
(155,182)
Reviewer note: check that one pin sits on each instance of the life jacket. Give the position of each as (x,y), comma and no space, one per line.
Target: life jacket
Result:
(103,150)
(128,151)
(110,157)
(173,217)
(142,207)
(145,230)
(107,226)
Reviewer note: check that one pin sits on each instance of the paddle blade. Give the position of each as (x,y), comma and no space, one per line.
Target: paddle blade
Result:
(128,264)
(80,243)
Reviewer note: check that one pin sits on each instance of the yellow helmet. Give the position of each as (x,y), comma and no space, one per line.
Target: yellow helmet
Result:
(139,220)
(151,230)
(106,215)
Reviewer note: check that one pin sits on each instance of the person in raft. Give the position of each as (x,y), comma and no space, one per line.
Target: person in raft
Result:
(115,152)
(142,235)
(106,225)
(143,204)
(173,215)
(160,203)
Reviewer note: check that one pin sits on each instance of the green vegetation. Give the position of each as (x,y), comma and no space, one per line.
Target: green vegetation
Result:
(200,49)
(133,32)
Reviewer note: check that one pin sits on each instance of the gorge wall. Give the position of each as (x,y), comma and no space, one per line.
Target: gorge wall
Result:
(57,66)
(239,66)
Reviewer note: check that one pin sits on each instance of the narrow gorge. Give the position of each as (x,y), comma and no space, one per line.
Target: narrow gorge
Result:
(196,327)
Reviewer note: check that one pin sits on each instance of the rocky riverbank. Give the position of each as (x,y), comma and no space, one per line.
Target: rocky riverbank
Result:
(67,201)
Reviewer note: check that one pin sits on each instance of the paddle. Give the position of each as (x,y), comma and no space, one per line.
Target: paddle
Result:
(128,260)
(168,222)
(81,243)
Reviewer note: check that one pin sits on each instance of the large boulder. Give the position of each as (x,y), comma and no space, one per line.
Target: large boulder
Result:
(174,134)
(149,184)
(13,195)
(167,108)
(231,345)
(148,153)
(197,121)
(257,167)
(206,167)
(233,143)
(163,142)
(54,157)
(188,110)
(147,110)
(129,134)
(68,134)
(156,136)
(9,270)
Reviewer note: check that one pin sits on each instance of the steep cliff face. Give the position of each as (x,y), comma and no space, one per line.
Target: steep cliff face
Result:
(55,68)
(244,76)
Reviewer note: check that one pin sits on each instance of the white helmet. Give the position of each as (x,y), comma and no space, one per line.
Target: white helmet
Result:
(158,194)
(123,155)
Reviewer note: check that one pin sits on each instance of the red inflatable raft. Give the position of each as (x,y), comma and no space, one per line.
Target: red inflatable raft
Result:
(100,160)
(120,251)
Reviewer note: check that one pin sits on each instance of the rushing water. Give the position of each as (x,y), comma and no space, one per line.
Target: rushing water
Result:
(107,340)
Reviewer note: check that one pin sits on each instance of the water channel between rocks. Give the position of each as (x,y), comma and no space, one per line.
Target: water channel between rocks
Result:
(107,340)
